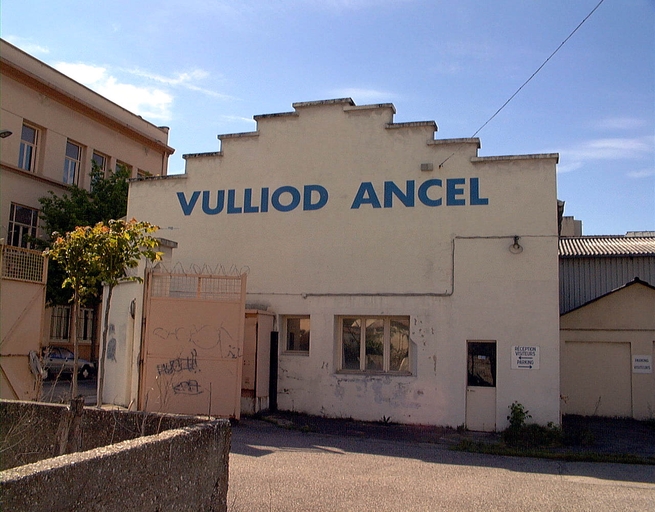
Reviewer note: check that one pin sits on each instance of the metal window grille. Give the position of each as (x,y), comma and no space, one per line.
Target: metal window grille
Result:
(23,264)
(186,286)
(60,323)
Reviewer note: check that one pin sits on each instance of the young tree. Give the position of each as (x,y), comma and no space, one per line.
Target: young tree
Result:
(106,199)
(76,252)
(123,245)
(102,254)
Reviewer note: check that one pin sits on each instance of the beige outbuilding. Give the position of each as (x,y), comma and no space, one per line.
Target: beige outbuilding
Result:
(607,348)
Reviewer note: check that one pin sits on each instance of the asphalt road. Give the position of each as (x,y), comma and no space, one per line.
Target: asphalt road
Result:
(274,469)
(58,391)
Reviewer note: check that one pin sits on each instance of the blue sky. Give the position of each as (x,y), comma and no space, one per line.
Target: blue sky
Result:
(205,67)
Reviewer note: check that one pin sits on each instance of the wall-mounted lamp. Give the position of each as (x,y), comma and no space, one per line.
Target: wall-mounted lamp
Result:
(133,308)
(516,248)
(5,133)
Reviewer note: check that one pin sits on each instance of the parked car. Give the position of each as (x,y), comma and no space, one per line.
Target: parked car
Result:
(59,361)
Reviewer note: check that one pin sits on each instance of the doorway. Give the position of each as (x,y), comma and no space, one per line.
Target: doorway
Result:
(481,365)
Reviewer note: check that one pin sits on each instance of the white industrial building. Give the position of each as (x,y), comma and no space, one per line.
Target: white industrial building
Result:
(408,277)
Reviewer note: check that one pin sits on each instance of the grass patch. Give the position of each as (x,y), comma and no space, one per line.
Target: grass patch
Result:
(469,446)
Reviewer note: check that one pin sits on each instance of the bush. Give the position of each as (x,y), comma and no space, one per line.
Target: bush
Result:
(521,434)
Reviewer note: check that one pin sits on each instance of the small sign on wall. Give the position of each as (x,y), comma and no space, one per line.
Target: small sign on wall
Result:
(525,357)
(642,364)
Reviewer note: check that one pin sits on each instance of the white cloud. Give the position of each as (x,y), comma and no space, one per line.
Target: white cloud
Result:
(620,123)
(361,96)
(185,80)
(627,148)
(83,73)
(150,102)
(643,173)
(611,149)
(27,46)
(238,119)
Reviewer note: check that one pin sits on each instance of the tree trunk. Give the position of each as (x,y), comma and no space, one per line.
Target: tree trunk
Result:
(103,348)
(73,334)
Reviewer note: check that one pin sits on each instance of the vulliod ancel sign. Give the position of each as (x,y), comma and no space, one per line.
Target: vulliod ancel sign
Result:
(431,193)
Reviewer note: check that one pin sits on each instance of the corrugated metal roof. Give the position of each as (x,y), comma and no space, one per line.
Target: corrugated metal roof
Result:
(619,245)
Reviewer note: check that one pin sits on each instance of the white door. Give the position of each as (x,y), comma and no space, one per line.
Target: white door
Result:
(481,386)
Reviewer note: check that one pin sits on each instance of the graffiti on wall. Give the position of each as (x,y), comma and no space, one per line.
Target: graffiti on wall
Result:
(177,374)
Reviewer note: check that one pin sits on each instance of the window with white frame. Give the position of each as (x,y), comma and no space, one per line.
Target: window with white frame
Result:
(60,324)
(100,160)
(23,222)
(120,165)
(296,332)
(72,163)
(29,138)
(378,344)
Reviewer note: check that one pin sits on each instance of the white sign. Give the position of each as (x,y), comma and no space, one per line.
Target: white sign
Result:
(525,357)
(642,364)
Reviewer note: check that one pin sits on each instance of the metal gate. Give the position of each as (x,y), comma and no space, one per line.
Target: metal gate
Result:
(22,300)
(193,344)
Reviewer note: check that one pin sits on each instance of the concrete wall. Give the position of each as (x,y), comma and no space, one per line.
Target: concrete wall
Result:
(327,249)
(183,468)
(598,344)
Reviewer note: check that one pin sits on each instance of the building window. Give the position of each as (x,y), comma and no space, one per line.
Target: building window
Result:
(140,173)
(28,142)
(297,333)
(120,165)
(72,163)
(60,324)
(101,161)
(374,344)
(23,222)
(481,364)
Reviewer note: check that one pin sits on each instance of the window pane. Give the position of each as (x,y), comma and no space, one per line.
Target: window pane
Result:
(375,344)
(399,357)
(72,151)
(298,334)
(25,156)
(28,134)
(481,364)
(351,336)
(100,160)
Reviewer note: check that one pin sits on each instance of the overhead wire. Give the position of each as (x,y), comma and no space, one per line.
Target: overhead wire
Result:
(533,74)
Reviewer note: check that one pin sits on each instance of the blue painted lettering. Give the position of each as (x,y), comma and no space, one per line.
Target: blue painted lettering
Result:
(391,189)
(220,202)
(321,201)
(295,199)
(230,202)
(452,191)
(423,195)
(475,193)
(366,195)
(187,207)
(247,202)
(263,207)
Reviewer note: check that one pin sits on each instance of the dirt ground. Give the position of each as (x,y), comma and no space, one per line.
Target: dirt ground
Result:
(584,434)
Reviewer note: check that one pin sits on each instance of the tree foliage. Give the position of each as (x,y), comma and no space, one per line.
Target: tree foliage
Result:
(101,255)
(106,200)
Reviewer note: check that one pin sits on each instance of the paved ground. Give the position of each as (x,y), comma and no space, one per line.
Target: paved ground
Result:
(58,391)
(275,469)
(584,434)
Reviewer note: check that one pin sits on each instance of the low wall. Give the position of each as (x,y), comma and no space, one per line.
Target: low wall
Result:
(184,467)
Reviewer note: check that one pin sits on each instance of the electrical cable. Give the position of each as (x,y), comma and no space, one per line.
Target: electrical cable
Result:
(531,77)
(538,69)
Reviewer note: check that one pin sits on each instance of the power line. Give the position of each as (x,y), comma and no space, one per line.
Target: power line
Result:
(528,80)
(538,69)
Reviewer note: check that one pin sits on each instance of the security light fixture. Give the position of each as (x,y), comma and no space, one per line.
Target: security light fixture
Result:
(516,248)
(4,134)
